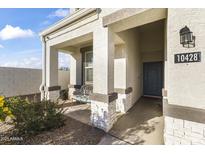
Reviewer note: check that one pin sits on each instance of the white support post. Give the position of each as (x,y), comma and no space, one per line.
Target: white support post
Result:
(42,86)
(52,88)
(75,71)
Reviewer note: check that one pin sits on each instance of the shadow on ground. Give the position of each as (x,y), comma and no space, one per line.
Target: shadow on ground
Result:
(143,124)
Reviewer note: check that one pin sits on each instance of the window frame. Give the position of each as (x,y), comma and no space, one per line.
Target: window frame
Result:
(86,67)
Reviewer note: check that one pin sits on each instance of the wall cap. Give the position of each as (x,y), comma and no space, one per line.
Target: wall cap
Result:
(124,91)
(103,97)
(53,88)
(183,112)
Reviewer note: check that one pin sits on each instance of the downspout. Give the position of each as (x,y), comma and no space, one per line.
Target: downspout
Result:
(43,84)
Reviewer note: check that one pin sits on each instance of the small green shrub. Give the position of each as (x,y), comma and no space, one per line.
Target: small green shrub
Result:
(31,118)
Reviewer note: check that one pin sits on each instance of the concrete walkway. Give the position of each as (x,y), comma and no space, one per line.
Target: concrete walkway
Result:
(142,124)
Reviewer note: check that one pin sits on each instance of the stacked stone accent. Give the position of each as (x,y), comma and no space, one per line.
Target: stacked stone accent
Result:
(103,115)
(70,92)
(124,102)
(73,90)
(178,131)
(53,95)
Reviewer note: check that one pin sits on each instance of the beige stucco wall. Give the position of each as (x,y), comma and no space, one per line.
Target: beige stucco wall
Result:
(76,67)
(19,81)
(103,60)
(133,62)
(120,67)
(23,81)
(185,82)
(134,71)
(152,44)
(52,66)
(63,79)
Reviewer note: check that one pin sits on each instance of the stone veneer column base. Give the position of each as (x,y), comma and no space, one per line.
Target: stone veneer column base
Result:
(183,125)
(53,93)
(124,101)
(179,131)
(72,90)
(103,115)
(103,110)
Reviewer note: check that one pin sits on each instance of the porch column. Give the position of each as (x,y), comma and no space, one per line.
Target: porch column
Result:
(103,100)
(42,86)
(124,101)
(52,88)
(75,71)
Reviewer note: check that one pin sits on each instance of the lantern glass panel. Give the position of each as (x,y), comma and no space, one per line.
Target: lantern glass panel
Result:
(182,39)
(189,37)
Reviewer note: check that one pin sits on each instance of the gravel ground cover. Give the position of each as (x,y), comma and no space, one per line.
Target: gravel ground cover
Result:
(73,133)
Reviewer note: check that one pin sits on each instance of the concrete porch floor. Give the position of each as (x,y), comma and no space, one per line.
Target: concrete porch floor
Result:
(142,124)
(80,112)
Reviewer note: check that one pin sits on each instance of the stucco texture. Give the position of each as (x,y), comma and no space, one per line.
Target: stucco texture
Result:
(185,81)
(22,81)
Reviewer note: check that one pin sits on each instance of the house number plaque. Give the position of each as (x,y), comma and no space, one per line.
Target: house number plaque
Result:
(187,57)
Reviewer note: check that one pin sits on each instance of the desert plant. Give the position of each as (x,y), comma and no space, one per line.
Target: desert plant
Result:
(30,118)
(54,116)
(4,109)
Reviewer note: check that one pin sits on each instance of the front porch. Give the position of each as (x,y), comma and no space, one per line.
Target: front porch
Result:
(141,125)
(111,60)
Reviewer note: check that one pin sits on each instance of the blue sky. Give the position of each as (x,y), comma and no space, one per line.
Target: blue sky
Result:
(20,44)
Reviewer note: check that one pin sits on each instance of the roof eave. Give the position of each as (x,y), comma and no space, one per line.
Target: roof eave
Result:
(66,20)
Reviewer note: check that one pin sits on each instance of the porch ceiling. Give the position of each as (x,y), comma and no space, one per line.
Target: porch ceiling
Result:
(76,42)
(152,26)
(82,41)
(120,15)
(123,20)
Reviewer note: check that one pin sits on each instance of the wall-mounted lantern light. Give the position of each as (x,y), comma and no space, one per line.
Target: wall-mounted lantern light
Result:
(186,38)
